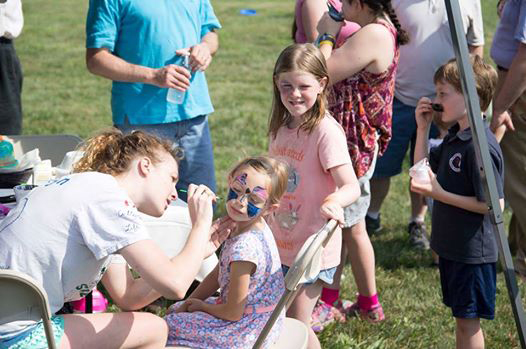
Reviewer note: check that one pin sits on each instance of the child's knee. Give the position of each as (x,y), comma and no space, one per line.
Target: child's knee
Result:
(355,236)
(155,327)
(468,326)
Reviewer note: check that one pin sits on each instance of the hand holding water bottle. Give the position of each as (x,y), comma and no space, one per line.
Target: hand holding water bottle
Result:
(200,56)
(176,95)
(171,76)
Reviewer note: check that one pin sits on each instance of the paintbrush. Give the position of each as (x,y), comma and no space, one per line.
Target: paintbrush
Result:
(186,191)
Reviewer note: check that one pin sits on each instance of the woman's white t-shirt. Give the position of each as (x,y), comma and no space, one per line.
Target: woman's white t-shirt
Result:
(63,235)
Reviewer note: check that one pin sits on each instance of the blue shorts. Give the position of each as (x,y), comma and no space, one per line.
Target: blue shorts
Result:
(469,289)
(404,137)
(193,137)
(325,275)
(35,337)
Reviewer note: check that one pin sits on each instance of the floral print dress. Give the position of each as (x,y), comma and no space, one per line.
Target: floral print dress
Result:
(202,330)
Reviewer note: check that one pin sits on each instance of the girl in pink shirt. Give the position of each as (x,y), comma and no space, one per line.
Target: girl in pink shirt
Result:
(321,177)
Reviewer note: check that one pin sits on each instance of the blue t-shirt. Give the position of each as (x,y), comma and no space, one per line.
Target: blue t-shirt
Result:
(510,32)
(148,33)
(458,234)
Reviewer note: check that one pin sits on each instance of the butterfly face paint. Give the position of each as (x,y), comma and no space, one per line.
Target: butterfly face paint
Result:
(255,197)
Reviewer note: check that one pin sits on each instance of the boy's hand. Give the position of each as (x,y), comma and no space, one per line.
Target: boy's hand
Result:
(431,188)
(331,209)
(423,113)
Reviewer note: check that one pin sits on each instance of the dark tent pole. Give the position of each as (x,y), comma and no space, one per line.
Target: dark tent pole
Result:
(483,159)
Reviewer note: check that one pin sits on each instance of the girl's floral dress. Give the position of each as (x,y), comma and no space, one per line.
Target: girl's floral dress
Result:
(202,330)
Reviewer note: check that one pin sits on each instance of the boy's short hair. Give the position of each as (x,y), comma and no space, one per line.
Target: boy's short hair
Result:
(484,74)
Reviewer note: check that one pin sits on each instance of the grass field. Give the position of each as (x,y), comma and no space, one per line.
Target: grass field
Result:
(60,96)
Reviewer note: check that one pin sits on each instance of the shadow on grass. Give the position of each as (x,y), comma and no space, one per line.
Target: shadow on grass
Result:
(393,250)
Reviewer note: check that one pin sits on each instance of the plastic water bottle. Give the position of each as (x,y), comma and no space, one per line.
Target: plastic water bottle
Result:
(176,96)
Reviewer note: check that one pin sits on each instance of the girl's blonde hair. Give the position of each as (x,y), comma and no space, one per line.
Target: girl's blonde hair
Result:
(299,58)
(112,152)
(276,170)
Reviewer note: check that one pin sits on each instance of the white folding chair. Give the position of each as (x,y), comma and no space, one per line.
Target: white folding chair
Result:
(52,147)
(295,333)
(21,298)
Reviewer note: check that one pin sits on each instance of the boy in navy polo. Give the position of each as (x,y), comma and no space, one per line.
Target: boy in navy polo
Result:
(462,234)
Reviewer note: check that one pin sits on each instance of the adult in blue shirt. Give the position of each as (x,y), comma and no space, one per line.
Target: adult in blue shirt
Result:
(509,112)
(139,45)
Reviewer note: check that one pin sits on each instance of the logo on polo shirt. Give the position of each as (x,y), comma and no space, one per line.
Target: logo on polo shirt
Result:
(455,161)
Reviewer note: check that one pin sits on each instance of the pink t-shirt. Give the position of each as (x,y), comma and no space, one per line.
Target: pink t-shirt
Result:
(347,30)
(309,156)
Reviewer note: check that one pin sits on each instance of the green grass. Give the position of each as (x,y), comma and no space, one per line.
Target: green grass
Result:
(60,96)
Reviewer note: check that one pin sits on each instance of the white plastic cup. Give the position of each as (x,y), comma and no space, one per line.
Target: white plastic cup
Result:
(421,176)
(420,172)
(22,190)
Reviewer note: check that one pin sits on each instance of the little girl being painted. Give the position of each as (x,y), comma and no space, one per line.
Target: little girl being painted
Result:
(249,272)
(321,177)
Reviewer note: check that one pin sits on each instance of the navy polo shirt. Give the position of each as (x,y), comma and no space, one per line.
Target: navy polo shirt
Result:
(457,234)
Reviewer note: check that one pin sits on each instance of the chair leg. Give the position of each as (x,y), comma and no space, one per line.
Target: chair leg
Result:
(49,334)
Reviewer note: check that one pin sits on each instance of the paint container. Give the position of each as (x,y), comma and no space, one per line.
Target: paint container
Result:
(22,190)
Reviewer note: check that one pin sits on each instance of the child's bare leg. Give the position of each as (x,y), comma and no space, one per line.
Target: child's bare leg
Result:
(114,330)
(418,206)
(302,307)
(361,254)
(469,334)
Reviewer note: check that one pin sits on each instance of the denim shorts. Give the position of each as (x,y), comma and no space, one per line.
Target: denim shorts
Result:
(404,137)
(469,289)
(193,137)
(325,275)
(356,211)
(35,337)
